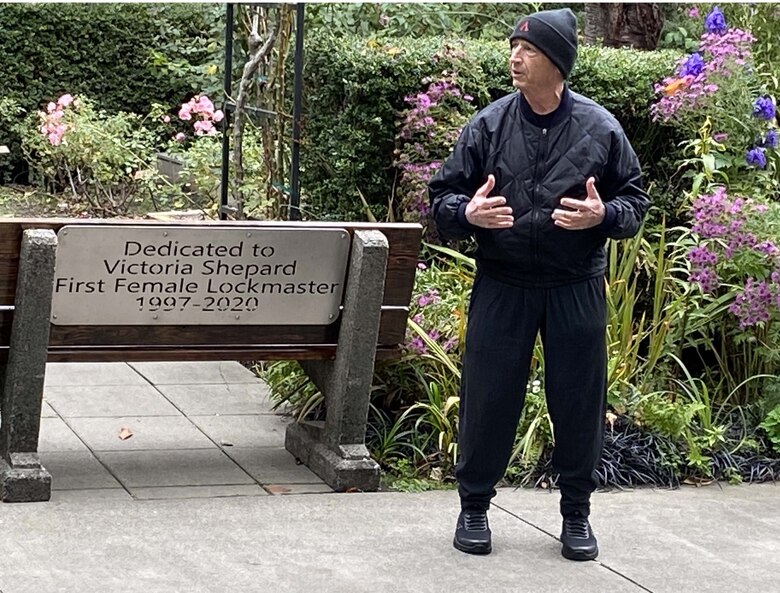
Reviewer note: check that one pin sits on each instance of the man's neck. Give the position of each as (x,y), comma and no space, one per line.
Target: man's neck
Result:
(544,101)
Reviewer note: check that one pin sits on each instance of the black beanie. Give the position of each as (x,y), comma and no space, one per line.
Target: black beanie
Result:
(554,32)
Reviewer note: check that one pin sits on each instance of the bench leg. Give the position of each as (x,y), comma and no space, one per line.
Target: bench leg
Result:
(336,450)
(22,477)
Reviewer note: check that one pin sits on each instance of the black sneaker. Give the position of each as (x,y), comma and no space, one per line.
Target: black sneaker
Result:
(472,534)
(577,538)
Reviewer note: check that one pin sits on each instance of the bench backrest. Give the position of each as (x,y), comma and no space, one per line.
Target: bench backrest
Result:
(213,342)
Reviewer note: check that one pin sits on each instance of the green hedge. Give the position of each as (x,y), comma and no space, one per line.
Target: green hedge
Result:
(103,51)
(355,89)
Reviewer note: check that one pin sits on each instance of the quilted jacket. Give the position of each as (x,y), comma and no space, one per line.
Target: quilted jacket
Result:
(537,160)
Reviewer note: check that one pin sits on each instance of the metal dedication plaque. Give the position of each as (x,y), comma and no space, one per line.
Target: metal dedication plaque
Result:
(156,275)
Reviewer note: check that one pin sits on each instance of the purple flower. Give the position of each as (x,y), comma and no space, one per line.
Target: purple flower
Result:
(692,66)
(756,157)
(450,344)
(424,300)
(417,345)
(715,22)
(752,306)
(771,139)
(702,256)
(431,296)
(764,108)
(767,247)
(693,13)
(706,278)
(424,101)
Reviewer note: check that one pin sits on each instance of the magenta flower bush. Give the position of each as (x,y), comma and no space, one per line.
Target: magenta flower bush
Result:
(738,250)
(429,129)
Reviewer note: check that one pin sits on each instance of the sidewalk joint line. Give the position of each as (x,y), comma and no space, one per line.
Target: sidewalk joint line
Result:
(219,446)
(556,538)
(92,453)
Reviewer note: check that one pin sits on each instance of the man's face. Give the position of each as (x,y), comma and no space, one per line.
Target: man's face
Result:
(531,70)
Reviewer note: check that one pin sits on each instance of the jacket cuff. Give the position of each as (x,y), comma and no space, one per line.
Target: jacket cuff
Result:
(610,217)
(462,217)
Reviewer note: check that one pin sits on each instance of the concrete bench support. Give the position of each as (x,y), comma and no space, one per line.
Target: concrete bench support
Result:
(335,450)
(22,477)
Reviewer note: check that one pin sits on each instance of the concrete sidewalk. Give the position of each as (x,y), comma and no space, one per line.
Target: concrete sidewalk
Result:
(198,429)
(189,504)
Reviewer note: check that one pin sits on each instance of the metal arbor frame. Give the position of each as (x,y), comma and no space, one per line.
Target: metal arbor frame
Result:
(228,106)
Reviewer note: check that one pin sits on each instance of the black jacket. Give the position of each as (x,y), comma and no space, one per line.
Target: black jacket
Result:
(536,161)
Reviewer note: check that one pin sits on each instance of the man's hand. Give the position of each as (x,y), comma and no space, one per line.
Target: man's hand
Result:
(489,213)
(587,213)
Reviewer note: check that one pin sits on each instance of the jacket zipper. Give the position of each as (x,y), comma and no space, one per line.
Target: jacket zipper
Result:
(536,214)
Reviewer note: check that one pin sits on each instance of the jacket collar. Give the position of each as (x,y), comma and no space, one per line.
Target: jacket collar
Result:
(551,119)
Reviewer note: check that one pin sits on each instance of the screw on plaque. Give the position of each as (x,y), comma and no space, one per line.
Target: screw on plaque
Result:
(165,234)
(238,316)
(154,316)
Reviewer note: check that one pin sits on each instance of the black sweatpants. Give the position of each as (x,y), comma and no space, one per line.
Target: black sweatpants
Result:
(504,321)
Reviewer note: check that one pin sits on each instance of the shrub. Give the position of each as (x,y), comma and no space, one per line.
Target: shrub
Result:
(101,51)
(716,96)
(101,159)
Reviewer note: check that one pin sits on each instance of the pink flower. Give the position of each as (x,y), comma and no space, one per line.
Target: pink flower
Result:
(51,107)
(204,127)
(218,115)
(65,100)
(204,105)
(167,119)
(180,137)
(185,113)
(693,13)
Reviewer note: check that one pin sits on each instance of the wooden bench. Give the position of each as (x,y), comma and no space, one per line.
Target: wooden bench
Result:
(339,356)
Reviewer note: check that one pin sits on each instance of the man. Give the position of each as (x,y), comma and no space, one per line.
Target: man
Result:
(541,178)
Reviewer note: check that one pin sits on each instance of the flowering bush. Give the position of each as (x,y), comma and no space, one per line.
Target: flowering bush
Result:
(715,93)
(430,128)
(737,248)
(439,310)
(103,160)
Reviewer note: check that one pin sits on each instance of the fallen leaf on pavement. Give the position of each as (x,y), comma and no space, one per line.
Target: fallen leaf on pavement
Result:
(125,433)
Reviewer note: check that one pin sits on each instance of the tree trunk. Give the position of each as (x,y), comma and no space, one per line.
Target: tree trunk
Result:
(624,25)
(595,19)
